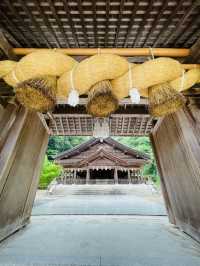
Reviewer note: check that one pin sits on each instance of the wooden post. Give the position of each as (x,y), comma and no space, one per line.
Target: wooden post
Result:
(21,157)
(177,149)
(129,176)
(74,179)
(116,176)
(88,176)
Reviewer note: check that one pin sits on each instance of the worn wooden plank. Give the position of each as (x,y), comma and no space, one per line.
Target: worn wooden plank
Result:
(6,122)
(168,203)
(8,151)
(35,179)
(21,171)
(176,141)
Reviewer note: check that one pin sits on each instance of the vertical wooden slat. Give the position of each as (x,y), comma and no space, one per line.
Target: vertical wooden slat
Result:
(9,148)
(168,203)
(176,141)
(20,162)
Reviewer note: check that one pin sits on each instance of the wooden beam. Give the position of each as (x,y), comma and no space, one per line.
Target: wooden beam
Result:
(126,101)
(116,176)
(171,52)
(88,176)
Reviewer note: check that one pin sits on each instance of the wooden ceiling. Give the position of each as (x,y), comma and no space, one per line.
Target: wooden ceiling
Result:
(83,125)
(111,23)
(90,23)
(128,120)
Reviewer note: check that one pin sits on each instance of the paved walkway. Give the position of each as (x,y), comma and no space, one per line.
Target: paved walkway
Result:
(98,240)
(101,199)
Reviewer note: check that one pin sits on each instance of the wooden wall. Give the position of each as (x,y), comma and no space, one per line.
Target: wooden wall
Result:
(23,142)
(176,142)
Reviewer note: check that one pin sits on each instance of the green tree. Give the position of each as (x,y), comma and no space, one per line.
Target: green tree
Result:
(143,144)
(49,171)
(59,144)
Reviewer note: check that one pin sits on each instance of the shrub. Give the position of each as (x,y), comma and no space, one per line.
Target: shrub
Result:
(50,171)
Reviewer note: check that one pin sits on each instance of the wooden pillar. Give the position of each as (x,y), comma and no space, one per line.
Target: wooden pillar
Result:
(74,179)
(129,176)
(88,176)
(177,151)
(23,144)
(116,176)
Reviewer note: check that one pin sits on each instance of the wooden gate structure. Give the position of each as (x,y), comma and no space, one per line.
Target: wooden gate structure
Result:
(106,24)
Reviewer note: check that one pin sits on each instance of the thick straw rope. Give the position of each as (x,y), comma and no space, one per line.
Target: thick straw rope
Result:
(182,80)
(14,76)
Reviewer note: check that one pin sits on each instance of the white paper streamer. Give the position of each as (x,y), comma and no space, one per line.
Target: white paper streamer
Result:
(101,128)
(133,92)
(135,95)
(73,98)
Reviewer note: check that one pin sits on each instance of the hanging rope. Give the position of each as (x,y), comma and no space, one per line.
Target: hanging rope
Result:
(133,92)
(151,52)
(130,76)
(99,51)
(14,76)
(73,98)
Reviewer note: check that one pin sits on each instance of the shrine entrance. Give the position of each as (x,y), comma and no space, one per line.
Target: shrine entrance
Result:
(101,174)
(102,161)
(142,60)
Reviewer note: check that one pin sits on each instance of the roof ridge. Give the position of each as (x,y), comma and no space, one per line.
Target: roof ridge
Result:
(108,140)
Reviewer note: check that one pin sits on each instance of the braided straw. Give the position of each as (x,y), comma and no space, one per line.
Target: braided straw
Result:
(38,94)
(92,70)
(42,62)
(6,67)
(148,74)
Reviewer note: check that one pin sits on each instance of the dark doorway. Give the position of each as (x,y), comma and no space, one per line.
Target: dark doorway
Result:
(81,174)
(102,174)
(122,174)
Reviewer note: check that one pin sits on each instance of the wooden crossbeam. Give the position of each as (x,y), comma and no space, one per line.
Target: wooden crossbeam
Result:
(171,52)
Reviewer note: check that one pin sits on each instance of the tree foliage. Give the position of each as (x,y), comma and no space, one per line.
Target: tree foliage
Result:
(142,144)
(49,171)
(59,144)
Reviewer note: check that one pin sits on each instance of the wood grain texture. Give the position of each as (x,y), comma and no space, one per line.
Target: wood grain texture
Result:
(177,145)
(22,155)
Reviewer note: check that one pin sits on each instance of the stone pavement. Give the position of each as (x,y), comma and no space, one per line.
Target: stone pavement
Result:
(101,199)
(99,240)
(55,238)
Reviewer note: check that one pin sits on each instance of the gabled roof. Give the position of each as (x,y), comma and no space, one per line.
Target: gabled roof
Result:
(86,145)
(103,154)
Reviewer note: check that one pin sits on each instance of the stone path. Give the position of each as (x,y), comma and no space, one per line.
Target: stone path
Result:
(101,199)
(54,238)
(99,240)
